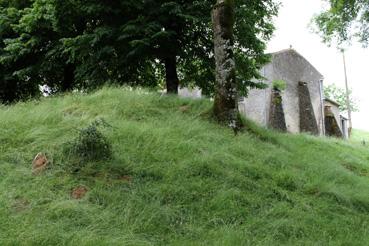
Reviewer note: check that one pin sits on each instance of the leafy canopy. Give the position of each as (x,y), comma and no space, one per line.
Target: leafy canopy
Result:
(77,44)
(344,21)
(339,95)
(13,83)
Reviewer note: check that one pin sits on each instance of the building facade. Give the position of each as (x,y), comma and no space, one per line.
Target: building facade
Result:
(299,107)
(302,99)
(336,125)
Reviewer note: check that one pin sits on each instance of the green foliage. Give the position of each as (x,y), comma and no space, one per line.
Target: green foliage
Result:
(343,21)
(253,28)
(14,82)
(279,85)
(74,44)
(91,144)
(338,95)
(179,179)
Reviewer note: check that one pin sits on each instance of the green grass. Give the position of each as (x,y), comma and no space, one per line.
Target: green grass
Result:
(193,182)
(360,136)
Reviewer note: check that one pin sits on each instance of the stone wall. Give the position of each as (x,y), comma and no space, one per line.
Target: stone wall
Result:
(276,116)
(186,92)
(291,67)
(334,109)
(333,127)
(308,121)
(256,106)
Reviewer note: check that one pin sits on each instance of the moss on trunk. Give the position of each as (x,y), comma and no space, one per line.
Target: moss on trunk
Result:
(226,98)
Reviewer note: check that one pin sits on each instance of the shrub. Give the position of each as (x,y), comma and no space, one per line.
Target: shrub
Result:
(279,85)
(91,144)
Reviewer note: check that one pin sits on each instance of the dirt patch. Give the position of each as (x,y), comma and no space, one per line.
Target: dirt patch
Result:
(126,178)
(72,111)
(20,204)
(40,163)
(184,109)
(356,170)
(79,192)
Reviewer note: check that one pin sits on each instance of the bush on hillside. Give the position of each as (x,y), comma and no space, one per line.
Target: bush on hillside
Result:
(90,144)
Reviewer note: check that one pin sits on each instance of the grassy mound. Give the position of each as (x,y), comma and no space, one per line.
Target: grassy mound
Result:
(175,178)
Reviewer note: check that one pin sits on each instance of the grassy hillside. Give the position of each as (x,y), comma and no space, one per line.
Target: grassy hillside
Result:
(175,178)
(359,136)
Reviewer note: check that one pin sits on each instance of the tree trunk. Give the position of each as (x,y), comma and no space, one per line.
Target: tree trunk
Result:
(68,80)
(226,98)
(171,76)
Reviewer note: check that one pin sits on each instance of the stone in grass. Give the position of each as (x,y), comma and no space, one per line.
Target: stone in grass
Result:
(79,192)
(39,163)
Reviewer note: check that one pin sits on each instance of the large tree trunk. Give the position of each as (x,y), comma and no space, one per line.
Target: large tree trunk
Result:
(171,76)
(68,80)
(226,98)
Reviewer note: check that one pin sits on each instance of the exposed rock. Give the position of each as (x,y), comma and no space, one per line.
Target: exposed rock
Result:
(79,192)
(276,117)
(308,121)
(39,163)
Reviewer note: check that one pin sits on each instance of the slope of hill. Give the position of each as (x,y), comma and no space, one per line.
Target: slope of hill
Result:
(360,136)
(175,178)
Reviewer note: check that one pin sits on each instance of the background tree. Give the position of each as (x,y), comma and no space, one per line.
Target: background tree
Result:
(76,44)
(179,35)
(13,84)
(344,20)
(339,24)
(338,95)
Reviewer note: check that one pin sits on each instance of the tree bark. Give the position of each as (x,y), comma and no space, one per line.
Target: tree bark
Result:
(226,98)
(171,76)
(68,79)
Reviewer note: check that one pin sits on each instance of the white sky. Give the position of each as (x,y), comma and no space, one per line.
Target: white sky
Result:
(292,29)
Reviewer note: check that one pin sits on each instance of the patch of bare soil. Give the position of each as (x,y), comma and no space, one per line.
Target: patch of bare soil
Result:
(79,192)
(40,163)
(20,204)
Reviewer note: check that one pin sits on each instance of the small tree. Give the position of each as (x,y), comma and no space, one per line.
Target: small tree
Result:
(338,94)
(344,20)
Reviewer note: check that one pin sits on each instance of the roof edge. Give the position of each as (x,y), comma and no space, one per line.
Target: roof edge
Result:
(291,50)
(332,101)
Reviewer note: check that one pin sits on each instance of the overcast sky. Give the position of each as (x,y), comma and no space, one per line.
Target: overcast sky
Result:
(292,29)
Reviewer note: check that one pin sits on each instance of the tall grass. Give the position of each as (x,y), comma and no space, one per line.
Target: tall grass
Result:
(360,136)
(175,178)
